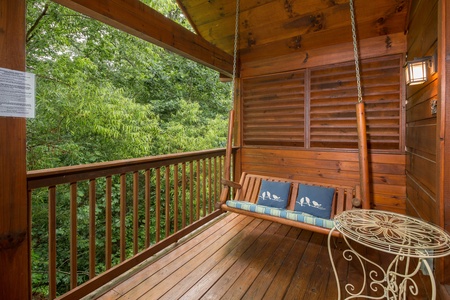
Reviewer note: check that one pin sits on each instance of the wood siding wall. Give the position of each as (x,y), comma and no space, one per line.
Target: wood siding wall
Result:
(302,125)
(274,110)
(315,108)
(387,171)
(421,130)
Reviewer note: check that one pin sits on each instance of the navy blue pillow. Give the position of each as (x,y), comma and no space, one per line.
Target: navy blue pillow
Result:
(314,200)
(274,194)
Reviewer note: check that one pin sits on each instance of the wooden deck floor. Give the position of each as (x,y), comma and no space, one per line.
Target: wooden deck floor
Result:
(240,257)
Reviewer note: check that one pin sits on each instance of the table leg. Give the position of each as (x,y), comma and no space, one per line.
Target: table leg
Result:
(332,263)
(395,282)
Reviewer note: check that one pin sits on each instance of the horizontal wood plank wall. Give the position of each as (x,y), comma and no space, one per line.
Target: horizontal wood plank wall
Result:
(421,130)
(421,168)
(302,124)
(315,108)
(273,107)
(387,171)
(333,95)
(252,65)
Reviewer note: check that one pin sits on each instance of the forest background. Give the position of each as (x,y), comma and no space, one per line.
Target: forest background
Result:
(104,95)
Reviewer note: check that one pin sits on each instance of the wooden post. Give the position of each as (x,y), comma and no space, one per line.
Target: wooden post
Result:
(363,156)
(15,278)
(443,140)
(227,163)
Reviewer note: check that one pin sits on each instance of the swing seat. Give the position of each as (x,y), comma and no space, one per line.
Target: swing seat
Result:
(247,193)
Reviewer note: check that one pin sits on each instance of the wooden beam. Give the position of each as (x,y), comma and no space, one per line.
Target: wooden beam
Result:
(443,141)
(136,18)
(15,278)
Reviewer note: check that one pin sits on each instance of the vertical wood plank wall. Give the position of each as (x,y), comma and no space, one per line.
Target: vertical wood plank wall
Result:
(421,130)
(15,278)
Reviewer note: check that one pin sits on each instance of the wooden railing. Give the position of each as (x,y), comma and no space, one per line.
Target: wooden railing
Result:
(122,211)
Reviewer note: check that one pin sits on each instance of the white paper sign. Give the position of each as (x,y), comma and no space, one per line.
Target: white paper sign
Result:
(17,94)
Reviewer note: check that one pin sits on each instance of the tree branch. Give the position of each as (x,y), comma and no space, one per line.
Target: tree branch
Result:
(36,23)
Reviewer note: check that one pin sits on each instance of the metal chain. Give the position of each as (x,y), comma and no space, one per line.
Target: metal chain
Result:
(355,51)
(236,38)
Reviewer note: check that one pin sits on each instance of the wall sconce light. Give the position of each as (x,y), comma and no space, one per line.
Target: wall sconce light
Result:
(418,70)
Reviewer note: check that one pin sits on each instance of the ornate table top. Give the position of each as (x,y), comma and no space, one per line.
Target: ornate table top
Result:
(393,233)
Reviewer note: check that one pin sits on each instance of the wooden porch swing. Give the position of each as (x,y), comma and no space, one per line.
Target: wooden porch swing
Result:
(248,192)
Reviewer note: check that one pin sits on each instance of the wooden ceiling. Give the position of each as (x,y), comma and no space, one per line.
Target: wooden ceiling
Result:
(269,28)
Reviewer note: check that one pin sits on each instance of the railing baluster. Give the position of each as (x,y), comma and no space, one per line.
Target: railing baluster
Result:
(108,223)
(123,213)
(183,194)
(215,181)
(52,241)
(191,192)
(92,200)
(220,172)
(158,203)
(167,202)
(73,235)
(175,198)
(210,194)
(204,208)
(198,200)
(135,212)
(203,178)
(147,208)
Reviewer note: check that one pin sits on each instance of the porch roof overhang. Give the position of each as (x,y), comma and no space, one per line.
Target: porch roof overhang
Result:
(276,28)
(267,29)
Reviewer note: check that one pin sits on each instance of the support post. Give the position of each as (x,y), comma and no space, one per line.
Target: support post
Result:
(443,140)
(15,275)
(363,156)
(227,163)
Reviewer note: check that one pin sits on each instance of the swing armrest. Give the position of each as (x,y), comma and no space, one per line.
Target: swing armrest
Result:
(231,184)
(356,202)
(226,188)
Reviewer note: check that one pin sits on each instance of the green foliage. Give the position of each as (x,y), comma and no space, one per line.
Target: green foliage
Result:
(104,95)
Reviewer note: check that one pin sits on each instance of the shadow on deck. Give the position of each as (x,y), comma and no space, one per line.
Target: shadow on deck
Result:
(239,257)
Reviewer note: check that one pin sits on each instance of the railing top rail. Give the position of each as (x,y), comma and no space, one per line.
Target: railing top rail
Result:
(50,177)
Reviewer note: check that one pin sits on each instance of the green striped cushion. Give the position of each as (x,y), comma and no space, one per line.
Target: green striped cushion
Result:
(283,213)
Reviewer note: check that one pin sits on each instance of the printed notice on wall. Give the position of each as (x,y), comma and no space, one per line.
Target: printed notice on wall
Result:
(17,94)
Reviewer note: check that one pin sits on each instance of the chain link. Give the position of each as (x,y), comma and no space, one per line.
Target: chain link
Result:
(355,51)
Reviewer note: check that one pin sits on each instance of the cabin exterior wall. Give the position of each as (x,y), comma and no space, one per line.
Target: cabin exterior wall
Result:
(421,125)
(318,89)
(427,148)
(337,167)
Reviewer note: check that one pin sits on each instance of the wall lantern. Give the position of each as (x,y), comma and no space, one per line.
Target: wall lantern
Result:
(418,70)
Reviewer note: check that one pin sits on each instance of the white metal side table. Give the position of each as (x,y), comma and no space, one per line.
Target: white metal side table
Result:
(403,236)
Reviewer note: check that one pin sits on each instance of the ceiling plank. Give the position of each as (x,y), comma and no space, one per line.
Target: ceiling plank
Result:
(136,18)
(332,18)
(320,39)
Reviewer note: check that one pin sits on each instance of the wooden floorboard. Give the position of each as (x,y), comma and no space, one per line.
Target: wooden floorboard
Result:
(239,257)
(282,257)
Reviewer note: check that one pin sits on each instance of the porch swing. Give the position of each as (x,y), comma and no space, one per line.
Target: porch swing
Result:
(306,205)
